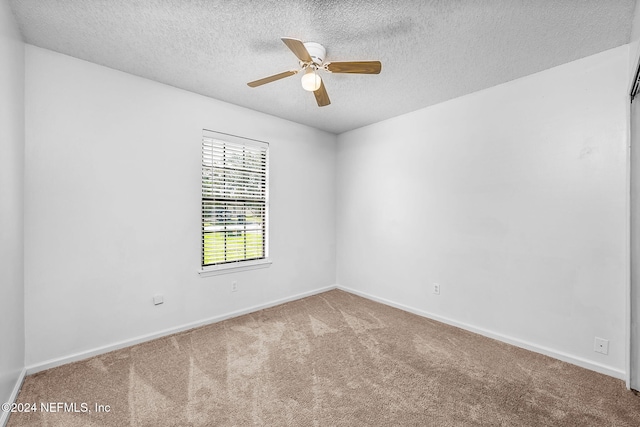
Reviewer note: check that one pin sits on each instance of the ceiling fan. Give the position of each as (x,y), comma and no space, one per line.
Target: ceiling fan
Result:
(311,56)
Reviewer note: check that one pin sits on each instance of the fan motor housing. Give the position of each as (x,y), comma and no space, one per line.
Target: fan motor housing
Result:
(316,51)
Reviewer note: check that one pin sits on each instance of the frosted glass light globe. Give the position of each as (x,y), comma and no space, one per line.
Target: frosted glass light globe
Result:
(311,80)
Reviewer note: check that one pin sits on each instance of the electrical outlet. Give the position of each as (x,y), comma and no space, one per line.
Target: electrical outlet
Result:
(234,286)
(436,288)
(158,299)
(600,345)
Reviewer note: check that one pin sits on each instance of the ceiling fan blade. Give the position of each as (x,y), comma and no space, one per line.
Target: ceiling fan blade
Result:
(297,47)
(322,97)
(272,78)
(356,67)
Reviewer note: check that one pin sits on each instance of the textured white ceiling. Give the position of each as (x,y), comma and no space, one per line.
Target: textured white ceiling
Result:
(431,51)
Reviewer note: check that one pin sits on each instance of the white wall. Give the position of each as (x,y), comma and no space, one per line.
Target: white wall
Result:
(634,125)
(512,198)
(112,207)
(634,42)
(634,315)
(11,203)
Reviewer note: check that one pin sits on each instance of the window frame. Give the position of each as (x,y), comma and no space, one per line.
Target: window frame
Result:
(239,265)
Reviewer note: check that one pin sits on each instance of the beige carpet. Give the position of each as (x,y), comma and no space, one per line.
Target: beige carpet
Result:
(333,359)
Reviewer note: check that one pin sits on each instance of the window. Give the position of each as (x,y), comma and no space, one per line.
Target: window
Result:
(234,201)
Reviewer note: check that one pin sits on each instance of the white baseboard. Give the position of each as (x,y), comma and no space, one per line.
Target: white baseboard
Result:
(37,367)
(4,416)
(575,360)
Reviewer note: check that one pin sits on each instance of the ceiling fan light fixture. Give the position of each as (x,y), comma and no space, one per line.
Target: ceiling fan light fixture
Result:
(311,57)
(311,81)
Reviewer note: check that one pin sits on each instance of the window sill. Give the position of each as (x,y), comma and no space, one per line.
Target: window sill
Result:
(234,267)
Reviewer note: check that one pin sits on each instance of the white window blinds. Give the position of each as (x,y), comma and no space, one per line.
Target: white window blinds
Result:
(234,199)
